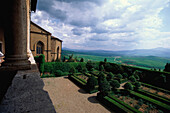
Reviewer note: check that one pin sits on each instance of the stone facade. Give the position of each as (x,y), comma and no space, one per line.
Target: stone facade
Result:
(50,45)
(42,42)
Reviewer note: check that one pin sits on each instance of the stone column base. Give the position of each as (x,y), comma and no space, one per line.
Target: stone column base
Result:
(16,63)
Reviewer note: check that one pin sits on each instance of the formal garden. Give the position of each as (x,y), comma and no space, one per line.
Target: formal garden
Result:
(122,88)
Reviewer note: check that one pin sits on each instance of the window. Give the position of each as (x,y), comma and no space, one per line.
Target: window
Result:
(57,52)
(39,48)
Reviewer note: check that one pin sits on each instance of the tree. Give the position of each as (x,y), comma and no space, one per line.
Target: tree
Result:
(81,60)
(64,59)
(104,87)
(128,85)
(91,83)
(108,67)
(101,77)
(125,75)
(71,59)
(115,84)
(119,76)
(132,78)
(110,76)
(105,60)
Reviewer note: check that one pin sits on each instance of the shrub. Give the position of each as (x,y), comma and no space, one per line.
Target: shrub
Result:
(110,76)
(90,65)
(128,86)
(108,67)
(137,106)
(101,77)
(137,85)
(41,63)
(104,87)
(132,78)
(116,69)
(91,83)
(58,73)
(72,70)
(137,77)
(164,78)
(48,67)
(125,75)
(119,76)
(79,68)
(115,84)
(101,68)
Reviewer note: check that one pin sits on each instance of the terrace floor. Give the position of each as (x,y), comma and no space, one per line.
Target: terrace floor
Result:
(68,98)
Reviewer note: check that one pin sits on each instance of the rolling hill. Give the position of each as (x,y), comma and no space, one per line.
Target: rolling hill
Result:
(148,58)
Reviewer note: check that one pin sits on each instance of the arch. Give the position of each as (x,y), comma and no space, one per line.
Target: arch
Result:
(39,48)
(58,48)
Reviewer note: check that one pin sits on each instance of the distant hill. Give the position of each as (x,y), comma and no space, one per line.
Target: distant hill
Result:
(147,58)
(159,52)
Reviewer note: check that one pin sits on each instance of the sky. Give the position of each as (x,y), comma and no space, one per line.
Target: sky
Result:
(106,24)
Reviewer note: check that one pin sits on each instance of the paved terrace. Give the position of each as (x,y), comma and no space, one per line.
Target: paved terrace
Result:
(26,95)
(68,98)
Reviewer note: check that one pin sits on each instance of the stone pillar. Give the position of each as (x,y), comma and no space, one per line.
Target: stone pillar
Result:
(16,35)
(29,53)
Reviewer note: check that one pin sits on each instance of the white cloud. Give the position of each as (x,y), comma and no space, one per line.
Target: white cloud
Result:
(92,24)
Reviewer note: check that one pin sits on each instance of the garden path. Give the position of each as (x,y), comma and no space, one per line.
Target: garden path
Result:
(68,98)
(121,85)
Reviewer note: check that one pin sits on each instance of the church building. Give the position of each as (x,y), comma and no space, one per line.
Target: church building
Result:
(42,42)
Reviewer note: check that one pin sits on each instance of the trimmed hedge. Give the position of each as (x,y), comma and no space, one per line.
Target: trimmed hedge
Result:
(82,80)
(114,105)
(154,96)
(124,104)
(163,106)
(63,66)
(156,88)
(77,81)
(47,76)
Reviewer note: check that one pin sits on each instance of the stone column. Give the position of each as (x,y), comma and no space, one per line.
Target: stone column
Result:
(29,53)
(16,35)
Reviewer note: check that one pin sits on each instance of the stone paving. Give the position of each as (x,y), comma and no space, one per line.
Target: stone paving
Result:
(26,95)
(68,98)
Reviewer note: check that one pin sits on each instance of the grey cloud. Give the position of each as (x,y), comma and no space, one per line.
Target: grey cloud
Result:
(46,5)
(93,1)
(77,31)
(99,38)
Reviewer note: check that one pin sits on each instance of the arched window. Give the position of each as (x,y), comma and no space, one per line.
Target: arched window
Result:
(40,47)
(57,52)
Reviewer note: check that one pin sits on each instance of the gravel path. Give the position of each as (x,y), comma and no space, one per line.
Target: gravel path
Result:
(68,98)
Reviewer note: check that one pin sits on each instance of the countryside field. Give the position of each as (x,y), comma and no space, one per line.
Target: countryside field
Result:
(139,61)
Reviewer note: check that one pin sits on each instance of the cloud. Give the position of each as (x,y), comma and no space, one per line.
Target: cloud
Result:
(105,24)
